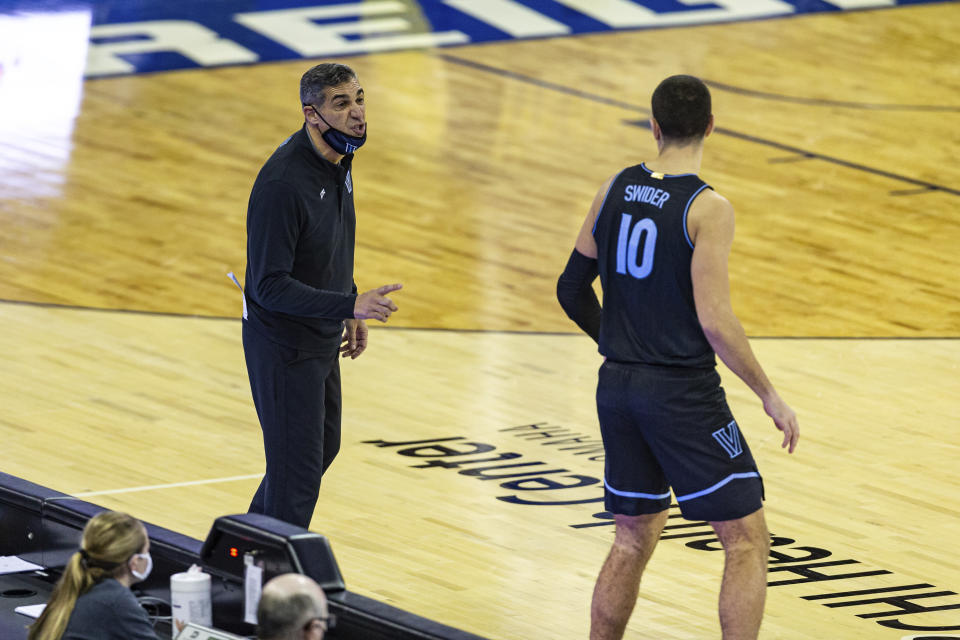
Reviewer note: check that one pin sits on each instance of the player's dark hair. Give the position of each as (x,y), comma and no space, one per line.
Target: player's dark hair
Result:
(327,74)
(681,106)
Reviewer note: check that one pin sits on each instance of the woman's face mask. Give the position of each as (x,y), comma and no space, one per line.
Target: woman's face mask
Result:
(141,576)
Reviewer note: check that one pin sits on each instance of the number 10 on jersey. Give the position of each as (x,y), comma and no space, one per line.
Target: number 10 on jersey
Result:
(629,245)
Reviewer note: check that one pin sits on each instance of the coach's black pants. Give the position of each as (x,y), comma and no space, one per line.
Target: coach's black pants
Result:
(297,396)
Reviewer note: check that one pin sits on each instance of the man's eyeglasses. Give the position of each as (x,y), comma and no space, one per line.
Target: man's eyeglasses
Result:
(328,622)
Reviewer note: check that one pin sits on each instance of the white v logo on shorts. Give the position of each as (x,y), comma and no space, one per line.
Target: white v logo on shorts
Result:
(729,439)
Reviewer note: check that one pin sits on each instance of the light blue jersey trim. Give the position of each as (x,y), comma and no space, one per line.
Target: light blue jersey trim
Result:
(686,234)
(643,165)
(732,476)
(631,494)
(593,231)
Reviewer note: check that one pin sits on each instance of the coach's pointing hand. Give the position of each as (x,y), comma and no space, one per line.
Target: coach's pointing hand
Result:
(375,304)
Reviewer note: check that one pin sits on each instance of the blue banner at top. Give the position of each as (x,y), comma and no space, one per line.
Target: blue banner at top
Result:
(137,36)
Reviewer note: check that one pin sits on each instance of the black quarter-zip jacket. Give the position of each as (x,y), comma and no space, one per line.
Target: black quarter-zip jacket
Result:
(301,229)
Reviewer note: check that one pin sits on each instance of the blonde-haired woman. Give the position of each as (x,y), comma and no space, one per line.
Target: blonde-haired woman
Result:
(92,600)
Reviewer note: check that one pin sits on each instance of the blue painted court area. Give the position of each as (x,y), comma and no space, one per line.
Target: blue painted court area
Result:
(137,36)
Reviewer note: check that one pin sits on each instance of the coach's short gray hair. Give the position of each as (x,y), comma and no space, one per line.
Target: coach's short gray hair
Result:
(327,74)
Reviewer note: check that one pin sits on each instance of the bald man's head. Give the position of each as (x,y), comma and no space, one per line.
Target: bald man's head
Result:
(292,607)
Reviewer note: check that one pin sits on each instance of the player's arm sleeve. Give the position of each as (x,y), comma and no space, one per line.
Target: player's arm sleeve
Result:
(576,295)
(273,227)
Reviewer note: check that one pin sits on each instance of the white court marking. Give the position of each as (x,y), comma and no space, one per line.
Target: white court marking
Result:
(171,485)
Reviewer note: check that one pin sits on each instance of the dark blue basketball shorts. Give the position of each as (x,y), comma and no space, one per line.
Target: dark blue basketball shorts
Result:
(666,427)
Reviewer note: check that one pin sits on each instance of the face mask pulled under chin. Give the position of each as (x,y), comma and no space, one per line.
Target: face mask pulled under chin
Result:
(338,140)
(146,572)
(341,142)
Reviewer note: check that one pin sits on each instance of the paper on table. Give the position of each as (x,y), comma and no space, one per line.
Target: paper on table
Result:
(31,610)
(253,585)
(13,564)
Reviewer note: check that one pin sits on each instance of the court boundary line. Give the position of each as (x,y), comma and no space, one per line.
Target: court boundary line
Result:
(173,314)
(553,86)
(170,485)
(827,102)
(142,312)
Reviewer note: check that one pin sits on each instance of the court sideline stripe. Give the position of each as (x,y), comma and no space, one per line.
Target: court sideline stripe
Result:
(553,86)
(825,102)
(172,485)
(190,316)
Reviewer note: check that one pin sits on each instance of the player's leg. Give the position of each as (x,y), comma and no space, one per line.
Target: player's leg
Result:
(615,593)
(715,479)
(746,545)
(636,492)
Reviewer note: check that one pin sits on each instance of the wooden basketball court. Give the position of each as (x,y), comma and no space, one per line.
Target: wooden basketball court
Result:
(122,375)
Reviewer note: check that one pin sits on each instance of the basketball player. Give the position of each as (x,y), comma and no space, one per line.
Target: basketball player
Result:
(301,303)
(659,237)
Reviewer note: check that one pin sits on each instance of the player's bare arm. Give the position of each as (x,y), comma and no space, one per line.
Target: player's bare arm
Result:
(585,241)
(711,227)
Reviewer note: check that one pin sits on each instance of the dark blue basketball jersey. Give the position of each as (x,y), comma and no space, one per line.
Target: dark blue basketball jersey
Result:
(643,254)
